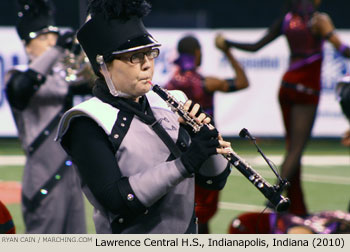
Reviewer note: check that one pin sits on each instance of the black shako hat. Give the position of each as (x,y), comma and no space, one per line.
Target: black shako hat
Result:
(343,94)
(108,37)
(35,18)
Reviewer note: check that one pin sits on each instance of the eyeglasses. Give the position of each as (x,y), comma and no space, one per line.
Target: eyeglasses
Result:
(140,56)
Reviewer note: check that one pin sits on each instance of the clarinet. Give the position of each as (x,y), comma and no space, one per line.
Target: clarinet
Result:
(272,193)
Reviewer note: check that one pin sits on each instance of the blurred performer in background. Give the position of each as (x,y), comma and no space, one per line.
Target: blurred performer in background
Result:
(38,94)
(136,161)
(326,222)
(343,95)
(201,90)
(6,223)
(306,30)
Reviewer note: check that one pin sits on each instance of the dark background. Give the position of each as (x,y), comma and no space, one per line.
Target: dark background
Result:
(191,13)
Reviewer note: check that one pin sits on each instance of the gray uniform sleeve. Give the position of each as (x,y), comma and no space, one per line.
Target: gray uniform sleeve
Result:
(214,173)
(158,181)
(44,63)
(214,166)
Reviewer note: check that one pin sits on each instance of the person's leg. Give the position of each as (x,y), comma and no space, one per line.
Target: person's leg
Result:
(75,210)
(206,206)
(60,212)
(46,217)
(298,127)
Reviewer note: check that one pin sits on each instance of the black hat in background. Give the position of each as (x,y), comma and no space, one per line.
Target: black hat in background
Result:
(115,27)
(343,94)
(35,18)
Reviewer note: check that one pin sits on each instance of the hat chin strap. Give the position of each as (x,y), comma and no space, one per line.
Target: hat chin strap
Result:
(109,82)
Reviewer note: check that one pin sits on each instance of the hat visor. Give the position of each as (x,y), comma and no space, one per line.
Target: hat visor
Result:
(54,29)
(137,44)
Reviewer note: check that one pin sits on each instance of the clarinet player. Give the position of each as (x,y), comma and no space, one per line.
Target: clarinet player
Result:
(38,94)
(136,161)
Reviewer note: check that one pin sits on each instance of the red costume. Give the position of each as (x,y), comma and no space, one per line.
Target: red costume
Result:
(327,222)
(6,223)
(301,84)
(304,73)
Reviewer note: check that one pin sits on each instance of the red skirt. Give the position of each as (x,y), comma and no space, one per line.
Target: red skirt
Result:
(303,85)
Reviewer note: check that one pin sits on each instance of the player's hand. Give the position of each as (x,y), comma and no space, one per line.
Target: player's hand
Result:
(195,112)
(220,43)
(346,139)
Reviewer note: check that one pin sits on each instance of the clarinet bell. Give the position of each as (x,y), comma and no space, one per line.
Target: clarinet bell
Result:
(282,205)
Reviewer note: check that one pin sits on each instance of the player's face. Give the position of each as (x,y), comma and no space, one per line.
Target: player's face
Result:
(131,72)
(40,44)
